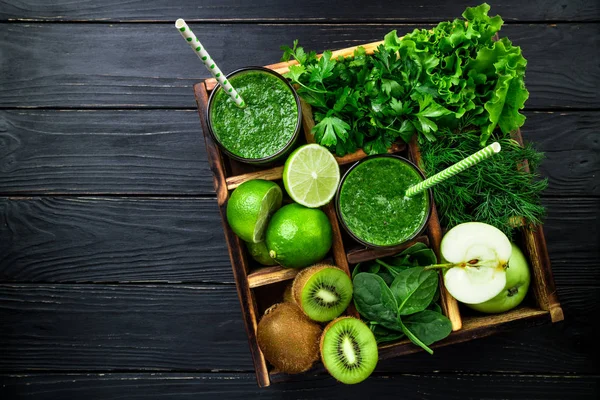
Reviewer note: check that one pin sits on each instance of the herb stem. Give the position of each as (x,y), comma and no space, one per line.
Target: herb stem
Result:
(441,266)
(414,339)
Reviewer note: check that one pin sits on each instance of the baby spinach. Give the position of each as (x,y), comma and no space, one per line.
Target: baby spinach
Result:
(384,335)
(374,299)
(429,326)
(405,304)
(414,289)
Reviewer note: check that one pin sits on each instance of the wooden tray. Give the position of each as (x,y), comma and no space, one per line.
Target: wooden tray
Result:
(259,287)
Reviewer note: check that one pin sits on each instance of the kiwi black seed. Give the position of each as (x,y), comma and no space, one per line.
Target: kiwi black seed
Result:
(349,350)
(288,339)
(322,291)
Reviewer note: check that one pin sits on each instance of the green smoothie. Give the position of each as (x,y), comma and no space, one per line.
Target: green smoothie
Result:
(265,126)
(373,206)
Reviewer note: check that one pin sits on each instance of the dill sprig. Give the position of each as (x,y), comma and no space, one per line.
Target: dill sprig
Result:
(496,191)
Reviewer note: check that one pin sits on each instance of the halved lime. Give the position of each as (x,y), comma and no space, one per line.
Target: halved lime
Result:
(250,206)
(311,175)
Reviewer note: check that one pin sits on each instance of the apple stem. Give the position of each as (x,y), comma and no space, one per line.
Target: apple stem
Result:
(442,266)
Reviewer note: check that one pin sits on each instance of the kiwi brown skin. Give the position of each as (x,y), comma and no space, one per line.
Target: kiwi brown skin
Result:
(288,339)
(303,276)
(287,294)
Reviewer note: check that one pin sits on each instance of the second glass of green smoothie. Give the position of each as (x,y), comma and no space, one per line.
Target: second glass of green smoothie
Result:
(371,204)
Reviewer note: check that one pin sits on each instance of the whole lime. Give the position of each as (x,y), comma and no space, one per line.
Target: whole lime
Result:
(259,252)
(250,206)
(298,236)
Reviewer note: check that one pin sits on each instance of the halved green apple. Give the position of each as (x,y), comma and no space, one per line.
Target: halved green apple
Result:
(477,255)
(518,278)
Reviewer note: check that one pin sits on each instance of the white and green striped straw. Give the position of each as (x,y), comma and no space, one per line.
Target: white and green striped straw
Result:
(209,63)
(452,170)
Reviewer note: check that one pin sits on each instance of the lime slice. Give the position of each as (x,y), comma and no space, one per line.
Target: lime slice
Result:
(311,175)
(250,206)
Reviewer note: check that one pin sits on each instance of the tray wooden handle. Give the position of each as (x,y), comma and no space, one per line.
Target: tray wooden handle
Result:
(284,66)
(449,303)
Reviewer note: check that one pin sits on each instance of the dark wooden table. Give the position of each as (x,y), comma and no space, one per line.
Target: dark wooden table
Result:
(114,277)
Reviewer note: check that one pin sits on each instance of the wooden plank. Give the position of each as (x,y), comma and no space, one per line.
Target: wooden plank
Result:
(367,254)
(434,231)
(289,11)
(121,327)
(119,72)
(124,152)
(112,239)
(571,144)
(567,246)
(162,152)
(268,275)
(275,173)
(199,328)
(183,386)
(235,246)
(180,240)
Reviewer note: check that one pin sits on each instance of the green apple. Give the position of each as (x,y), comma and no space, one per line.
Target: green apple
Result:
(518,278)
(476,255)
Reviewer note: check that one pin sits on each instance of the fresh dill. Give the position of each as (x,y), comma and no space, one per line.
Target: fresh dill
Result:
(497,191)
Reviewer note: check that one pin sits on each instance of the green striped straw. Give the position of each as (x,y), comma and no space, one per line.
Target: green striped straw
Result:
(209,63)
(452,170)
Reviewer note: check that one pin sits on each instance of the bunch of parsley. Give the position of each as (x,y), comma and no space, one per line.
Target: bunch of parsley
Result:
(426,80)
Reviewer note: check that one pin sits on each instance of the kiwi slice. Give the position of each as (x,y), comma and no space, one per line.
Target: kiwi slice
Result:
(322,291)
(349,350)
(287,339)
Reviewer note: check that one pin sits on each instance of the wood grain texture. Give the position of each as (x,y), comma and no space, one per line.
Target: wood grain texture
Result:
(121,327)
(112,239)
(571,143)
(289,11)
(268,275)
(275,173)
(134,77)
(235,246)
(367,254)
(241,386)
(573,244)
(200,328)
(162,152)
(123,152)
(434,231)
(181,240)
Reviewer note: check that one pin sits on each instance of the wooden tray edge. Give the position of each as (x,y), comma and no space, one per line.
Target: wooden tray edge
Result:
(234,246)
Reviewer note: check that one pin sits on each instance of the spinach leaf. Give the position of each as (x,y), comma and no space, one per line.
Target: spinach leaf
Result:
(424,257)
(369,266)
(435,307)
(394,270)
(384,335)
(414,289)
(429,326)
(386,276)
(413,338)
(413,249)
(374,299)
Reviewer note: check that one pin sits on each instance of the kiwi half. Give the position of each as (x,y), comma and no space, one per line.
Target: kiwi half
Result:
(349,350)
(287,339)
(322,291)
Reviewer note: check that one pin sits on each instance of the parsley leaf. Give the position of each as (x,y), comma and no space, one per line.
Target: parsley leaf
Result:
(329,130)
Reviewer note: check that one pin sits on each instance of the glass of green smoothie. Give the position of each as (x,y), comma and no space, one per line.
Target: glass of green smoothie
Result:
(371,204)
(267,127)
